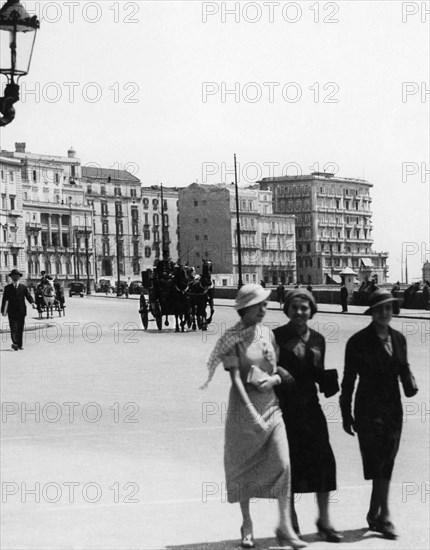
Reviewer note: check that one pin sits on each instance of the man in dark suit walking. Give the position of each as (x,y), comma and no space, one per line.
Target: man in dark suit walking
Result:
(13,304)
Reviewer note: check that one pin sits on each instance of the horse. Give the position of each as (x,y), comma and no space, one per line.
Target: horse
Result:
(201,294)
(167,296)
(49,298)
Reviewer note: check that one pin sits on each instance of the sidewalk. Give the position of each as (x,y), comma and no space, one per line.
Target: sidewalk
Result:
(322,308)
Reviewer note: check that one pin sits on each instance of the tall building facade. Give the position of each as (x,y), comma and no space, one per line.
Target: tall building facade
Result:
(114,197)
(333,225)
(58,222)
(159,211)
(12,233)
(208,230)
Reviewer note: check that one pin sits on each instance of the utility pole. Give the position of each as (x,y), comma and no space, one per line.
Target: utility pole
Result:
(164,248)
(87,258)
(239,251)
(118,251)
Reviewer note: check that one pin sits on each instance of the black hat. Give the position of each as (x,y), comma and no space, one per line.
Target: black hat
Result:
(378,298)
(15,272)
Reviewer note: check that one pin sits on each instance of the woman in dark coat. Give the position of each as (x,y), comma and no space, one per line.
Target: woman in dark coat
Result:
(377,355)
(301,367)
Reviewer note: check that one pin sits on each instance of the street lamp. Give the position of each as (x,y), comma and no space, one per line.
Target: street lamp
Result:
(87,257)
(16,48)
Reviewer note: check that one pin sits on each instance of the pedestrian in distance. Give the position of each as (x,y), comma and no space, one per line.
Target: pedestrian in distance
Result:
(377,355)
(301,368)
(280,294)
(256,456)
(13,305)
(344,298)
(309,288)
(426,295)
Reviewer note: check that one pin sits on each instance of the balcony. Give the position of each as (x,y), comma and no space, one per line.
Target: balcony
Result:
(33,226)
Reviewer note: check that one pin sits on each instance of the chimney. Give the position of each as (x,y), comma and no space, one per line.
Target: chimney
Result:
(19,147)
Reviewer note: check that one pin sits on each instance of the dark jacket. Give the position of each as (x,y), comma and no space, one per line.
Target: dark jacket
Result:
(365,357)
(16,300)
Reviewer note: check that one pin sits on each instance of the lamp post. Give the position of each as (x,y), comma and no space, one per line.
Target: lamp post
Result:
(17,32)
(87,258)
(118,251)
(239,251)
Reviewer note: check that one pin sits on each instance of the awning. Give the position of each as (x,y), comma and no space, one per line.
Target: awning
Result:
(337,279)
(367,262)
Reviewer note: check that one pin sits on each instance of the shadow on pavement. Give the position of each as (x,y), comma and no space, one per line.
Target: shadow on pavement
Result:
(349,536)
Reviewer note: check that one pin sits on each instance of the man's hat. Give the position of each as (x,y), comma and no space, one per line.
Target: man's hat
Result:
(15,272)
(378,298)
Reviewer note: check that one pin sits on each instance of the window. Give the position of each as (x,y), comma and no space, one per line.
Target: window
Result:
(145,203)
(147,235)
(119,227)
(136,267)
(117,191)
(133,192)
(102,189)
(197,237)
(34,174)
(155,219)
(105,211)
(164,204)
(118,209)
(196,203)
(135,249)
(196,220)
(135,229)
(105,228)
(134,213)
(89,188)
(106,248)
(155,204)
(12,202)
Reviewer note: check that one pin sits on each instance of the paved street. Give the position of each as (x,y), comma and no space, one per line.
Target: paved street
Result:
(107,442)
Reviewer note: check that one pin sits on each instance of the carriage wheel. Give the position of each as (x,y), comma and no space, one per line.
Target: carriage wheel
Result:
(144,317)
(156,312)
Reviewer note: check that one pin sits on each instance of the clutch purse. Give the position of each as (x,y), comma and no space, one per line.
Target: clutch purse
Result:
(409,384)
(256,375)
(329,384)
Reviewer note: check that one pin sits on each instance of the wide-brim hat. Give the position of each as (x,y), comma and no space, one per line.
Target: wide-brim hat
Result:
(378,298)
(15,272)
(302,293)
(250,295)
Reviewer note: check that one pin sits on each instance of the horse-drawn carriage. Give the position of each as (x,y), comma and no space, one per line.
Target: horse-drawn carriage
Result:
(49,296)
(173,290)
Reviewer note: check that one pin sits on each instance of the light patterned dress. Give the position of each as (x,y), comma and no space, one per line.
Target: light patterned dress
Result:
(256,461)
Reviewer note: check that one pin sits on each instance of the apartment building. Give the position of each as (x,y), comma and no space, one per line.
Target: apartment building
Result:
(333,225)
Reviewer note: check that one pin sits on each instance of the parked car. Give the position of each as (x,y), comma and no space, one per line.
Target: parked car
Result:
(136,287)
(122,286)
(76,288)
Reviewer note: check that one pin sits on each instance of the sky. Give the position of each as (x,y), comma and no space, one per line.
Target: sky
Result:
(172,90)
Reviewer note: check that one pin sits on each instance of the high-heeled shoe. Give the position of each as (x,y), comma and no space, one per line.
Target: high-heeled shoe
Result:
(284,540)
(247,540)
(328,533)
(386,528)
(372,522)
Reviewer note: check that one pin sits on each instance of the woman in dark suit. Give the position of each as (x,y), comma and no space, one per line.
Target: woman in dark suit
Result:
(378,356)
(301,367)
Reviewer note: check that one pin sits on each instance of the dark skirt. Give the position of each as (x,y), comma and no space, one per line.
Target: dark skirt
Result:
(313,466)
(379,442)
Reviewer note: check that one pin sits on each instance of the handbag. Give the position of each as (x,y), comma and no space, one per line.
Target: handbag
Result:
(409,384)
(256,375)
(329,383)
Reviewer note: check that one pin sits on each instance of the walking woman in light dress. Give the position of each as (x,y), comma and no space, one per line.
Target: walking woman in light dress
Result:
(256,455)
